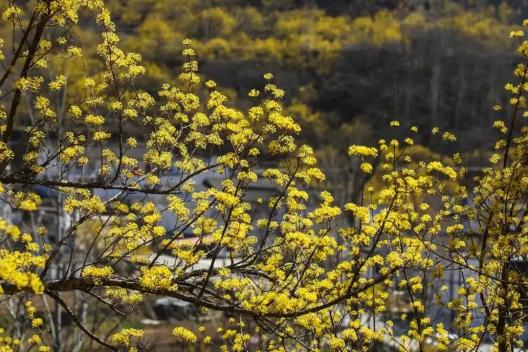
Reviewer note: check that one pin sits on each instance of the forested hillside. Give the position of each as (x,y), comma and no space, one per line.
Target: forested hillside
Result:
(348,67)
(344,64)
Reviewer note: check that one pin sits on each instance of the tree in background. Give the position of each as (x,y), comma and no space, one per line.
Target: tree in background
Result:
(127,168)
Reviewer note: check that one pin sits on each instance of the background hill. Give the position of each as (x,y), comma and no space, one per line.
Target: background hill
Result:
(344,64)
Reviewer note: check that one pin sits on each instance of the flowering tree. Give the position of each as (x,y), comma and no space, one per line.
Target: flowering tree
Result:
(120,159)
(125,167)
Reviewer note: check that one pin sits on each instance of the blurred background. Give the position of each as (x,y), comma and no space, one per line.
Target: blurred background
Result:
(348,66)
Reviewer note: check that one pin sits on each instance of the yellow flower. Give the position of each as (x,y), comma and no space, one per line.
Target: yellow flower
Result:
(158,277)
(366,168)
(123,337)
(184,334)
(336,344)
(516,34)
(58,83)
(97,272)
(358,150)
(36,323)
